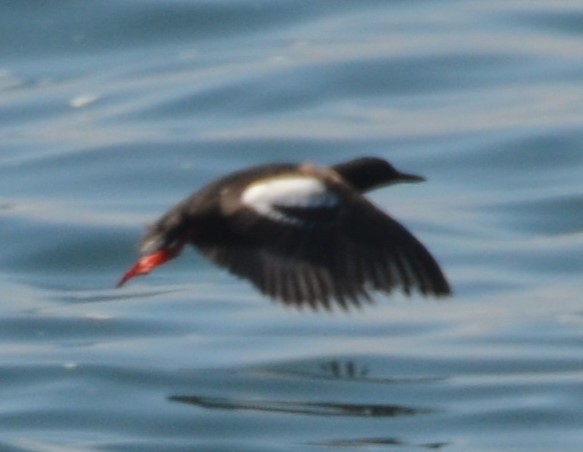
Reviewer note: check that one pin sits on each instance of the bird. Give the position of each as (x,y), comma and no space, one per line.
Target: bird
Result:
(301,233)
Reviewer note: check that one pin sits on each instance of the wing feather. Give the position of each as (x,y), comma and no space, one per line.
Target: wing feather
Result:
(339,255)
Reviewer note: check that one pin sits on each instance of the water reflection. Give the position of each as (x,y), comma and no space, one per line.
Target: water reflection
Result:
(293,407)
(368,442)
(347,369)
(342,370)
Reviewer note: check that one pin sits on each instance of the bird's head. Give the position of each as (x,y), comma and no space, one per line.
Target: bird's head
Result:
(366,173)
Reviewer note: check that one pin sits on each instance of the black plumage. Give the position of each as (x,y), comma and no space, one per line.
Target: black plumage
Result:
(301,234)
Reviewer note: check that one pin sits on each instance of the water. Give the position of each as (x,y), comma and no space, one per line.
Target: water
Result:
(112,111)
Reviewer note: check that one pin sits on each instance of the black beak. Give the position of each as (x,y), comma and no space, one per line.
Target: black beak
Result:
(404,177)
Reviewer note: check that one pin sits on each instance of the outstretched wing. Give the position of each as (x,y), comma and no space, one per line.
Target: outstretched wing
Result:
(311,243)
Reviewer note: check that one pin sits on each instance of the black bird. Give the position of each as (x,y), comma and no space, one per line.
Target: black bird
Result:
(300,233)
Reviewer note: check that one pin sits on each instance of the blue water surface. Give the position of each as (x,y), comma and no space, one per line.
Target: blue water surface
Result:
(110,112)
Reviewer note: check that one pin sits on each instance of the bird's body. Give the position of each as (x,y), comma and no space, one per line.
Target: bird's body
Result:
(302,234)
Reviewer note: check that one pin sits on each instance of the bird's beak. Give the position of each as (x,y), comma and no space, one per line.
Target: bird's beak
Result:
(404,177)
(149,262)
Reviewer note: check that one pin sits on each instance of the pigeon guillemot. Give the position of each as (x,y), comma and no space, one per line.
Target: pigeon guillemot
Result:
(300,233)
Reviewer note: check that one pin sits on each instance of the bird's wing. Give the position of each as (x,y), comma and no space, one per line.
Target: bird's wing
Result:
(318,245)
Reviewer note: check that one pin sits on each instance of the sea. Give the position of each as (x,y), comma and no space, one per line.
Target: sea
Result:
(113,111)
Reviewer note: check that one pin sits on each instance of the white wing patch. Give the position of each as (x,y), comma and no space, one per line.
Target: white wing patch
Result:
(298,191)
